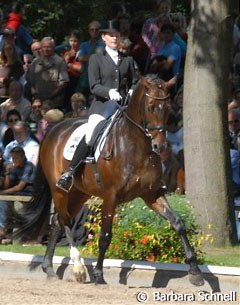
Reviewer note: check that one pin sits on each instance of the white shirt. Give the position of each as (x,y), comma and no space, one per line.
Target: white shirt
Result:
(113,54)
(30,146)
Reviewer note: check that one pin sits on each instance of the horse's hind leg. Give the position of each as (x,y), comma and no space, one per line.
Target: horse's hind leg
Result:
(162,207)
(55,232)
(78,268)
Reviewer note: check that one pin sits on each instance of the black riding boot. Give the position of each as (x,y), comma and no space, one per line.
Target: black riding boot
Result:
(65,181)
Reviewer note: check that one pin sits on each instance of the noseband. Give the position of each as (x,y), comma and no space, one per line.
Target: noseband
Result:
(157,98)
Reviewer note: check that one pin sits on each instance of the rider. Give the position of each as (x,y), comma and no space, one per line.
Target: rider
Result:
(111,77)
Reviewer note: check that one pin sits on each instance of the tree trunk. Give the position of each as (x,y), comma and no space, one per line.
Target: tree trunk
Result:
(207,161)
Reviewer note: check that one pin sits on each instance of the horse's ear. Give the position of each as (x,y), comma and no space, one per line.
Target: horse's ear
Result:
(172,82)
(145,82)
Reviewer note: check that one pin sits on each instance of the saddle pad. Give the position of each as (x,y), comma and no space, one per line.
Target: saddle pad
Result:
(78,134)
(73,141)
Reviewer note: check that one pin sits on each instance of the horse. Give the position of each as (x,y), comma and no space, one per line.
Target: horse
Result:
(133,170)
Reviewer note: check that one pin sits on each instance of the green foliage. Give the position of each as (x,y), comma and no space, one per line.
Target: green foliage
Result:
(57,18)
(140,234)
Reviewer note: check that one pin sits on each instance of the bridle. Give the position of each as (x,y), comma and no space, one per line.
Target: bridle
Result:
(157,98)
(144,129)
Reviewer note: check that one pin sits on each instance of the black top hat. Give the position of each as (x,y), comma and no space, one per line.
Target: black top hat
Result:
(110,26)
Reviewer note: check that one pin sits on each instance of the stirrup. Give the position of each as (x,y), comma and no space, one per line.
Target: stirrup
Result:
(89,160)
(65,185)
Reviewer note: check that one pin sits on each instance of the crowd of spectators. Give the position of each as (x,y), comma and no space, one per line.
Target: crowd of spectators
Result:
(42,83)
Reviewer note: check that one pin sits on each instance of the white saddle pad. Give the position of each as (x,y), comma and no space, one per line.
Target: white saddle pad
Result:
(76,137)
(73,141)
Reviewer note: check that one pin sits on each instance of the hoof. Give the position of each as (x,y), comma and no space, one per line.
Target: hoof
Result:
(98,277)
(80,275)
(52,277)
(196,279)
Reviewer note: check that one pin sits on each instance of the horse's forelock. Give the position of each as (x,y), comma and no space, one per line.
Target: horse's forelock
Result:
(154,78)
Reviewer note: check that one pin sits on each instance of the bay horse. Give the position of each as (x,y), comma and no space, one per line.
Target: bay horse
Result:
(134,170)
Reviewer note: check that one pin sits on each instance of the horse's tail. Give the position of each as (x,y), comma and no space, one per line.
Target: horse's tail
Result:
(31,221)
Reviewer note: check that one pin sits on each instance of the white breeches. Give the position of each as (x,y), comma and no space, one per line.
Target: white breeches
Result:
(93,120)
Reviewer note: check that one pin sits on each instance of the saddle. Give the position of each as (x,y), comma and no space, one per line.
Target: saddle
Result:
(98,145)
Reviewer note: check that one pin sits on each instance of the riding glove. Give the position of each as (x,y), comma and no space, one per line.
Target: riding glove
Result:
(114,95)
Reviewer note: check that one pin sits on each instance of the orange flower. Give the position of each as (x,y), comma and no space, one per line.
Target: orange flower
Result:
(144,240)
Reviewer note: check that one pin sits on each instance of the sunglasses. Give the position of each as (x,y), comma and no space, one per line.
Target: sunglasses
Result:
(234,121)
(13,120)
(37,107)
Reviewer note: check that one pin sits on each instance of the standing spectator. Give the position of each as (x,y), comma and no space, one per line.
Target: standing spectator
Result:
(138,49)
(74,67)
(36,48)
(16,23)
(180,24)
(170,50)
(19,177)
(16,101)
(24,79)
(48,75)
(92,46)
(22,138)
(10,65)
(151,25)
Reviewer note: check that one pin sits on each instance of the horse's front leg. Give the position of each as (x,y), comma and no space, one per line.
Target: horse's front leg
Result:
(78,268)
(104,242)
(55,232)
(161,206)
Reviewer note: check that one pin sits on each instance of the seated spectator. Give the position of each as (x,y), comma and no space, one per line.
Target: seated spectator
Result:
(79,108)
(16,101)
(13,116)
(171,167)
(23,139)
(35,116)
(235,166)
(234,129)
(3,128)
(2,170)
(181,174)
(42,125)
(235,103)
(174,134)
(19,177)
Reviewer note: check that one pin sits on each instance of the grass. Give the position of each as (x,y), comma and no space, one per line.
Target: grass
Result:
(229,256)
